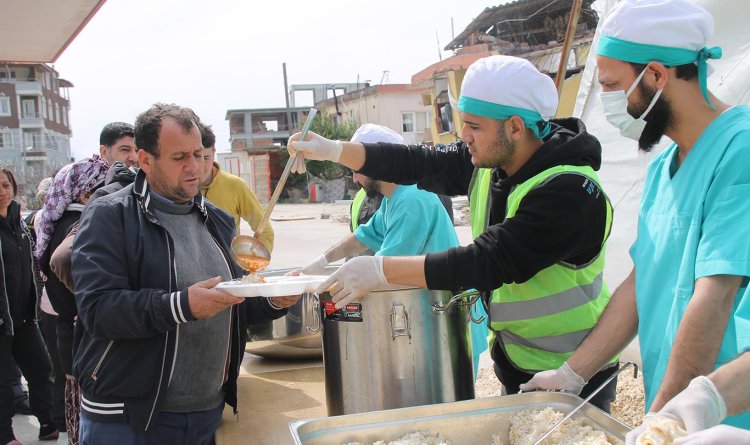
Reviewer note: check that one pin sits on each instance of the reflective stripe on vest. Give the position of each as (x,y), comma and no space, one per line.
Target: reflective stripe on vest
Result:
(542,321)
(359,199)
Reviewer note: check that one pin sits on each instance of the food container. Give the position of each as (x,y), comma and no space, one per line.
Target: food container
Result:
(400,352)
(470,422)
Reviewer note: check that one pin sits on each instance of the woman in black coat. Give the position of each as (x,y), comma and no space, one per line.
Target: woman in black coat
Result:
(20,339)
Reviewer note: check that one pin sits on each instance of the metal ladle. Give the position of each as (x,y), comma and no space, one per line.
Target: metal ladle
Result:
(248,251)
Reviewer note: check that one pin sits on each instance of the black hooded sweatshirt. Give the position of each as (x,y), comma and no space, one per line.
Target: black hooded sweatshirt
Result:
(561,221)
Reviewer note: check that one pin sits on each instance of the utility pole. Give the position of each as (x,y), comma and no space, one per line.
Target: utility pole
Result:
(286,98)
(569,34)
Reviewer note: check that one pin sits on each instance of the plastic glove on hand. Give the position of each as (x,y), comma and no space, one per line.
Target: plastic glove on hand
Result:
(632,437)
(562,378)
(316,266)
(699,406)
(355,279)
(718,435)
(315,148)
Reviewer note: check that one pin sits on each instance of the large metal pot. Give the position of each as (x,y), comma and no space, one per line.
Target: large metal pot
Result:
(408,351)
(296,335)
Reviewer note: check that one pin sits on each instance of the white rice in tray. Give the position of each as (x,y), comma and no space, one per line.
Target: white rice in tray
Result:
(527,426)
(414,438)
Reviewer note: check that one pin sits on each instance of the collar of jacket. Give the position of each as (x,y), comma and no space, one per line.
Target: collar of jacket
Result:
(140,189)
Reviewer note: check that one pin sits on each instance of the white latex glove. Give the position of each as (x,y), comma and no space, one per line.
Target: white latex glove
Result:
(355,279)
(699,406)
(316,266)
(561,378)
(632,436)
(315,148)
(718,435)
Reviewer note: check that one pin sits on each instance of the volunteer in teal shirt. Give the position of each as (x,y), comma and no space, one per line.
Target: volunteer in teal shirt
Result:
(409,222)
(687,296)
(693,223)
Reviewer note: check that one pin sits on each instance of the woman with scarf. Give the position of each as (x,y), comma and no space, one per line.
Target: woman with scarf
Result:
(69,192)
(20,338)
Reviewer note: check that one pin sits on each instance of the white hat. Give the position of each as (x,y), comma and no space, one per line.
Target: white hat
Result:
(499,87)
(672,23)
(371,134)
(673,32)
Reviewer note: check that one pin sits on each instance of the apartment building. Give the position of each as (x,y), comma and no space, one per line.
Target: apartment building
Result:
(35,128)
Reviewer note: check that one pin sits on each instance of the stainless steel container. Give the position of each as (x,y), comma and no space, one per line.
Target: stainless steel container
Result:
(404,353)
(296,335)
(471,422)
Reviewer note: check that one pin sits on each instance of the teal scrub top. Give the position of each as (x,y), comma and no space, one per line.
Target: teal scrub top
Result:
(694,222)
(410,222)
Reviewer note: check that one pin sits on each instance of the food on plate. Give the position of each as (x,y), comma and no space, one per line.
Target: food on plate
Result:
(413,438)
(527,426)
(252,278)
(661,431)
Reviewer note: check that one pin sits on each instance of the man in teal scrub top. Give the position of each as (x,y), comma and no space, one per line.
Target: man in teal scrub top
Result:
(409,221)
(687,296)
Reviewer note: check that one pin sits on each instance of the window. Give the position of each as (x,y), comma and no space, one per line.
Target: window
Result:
(57,113)
(6,75)
(5,140)
(50,112)
(423,121)
(65,116)
(4,106)
(407,122)
(445,113)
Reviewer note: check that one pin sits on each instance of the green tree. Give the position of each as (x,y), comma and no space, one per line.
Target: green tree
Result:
(324,125)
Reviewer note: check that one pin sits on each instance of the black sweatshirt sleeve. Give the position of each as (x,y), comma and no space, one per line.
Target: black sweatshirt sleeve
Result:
(445,171)
(560,221)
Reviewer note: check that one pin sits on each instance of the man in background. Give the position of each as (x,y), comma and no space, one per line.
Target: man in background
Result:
(229,192)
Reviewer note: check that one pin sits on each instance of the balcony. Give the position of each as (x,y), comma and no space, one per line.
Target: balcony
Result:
(31,120)
(35,156)
(28,88)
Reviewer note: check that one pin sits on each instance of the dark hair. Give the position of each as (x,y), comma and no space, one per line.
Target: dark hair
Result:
(685,72)
(208,138)
(12,179)
(148,124)
(112,132)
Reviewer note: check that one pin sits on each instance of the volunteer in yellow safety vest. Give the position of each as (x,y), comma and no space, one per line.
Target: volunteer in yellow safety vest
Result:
(539,217)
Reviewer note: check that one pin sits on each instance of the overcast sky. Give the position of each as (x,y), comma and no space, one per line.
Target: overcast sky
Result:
(221,54)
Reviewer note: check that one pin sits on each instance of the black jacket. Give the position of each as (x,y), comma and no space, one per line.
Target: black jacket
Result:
(129,308)
(60,297)
(20,282)
(118,177)
(559,221)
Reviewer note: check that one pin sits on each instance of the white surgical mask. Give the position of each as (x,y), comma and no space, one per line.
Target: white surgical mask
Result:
(615,105)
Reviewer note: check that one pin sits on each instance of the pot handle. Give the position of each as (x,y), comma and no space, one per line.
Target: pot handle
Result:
(468,298)
(315,315)
(400,322)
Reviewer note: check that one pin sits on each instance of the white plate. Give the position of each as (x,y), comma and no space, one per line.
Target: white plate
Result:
(278,286)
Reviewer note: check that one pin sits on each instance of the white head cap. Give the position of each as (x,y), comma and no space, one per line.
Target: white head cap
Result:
(671,23)
(499,87)
(372,133)
(672,32)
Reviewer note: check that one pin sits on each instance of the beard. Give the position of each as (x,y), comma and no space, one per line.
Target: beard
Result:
(371,187)
(658,120)
(503,148)
(499,153)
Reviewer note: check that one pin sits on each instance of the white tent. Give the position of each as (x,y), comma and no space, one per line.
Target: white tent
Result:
(623,168)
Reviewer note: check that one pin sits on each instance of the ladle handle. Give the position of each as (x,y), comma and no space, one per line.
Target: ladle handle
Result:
(284,176)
